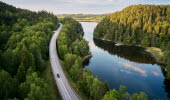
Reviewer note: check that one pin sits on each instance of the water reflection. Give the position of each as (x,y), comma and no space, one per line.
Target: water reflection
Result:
(167,86)
(132,53)
(135,68)
(130,66)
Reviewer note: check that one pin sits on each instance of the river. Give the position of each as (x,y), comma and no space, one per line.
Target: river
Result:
(130,66)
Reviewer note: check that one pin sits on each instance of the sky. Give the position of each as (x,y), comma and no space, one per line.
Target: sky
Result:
(80,6)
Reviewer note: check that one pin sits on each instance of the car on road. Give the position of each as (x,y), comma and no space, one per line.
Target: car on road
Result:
(58,75)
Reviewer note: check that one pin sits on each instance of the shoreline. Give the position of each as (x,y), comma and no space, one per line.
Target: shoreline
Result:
(87,57)
(155,52)
(120,43)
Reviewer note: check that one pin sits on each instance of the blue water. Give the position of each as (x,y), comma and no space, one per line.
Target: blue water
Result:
(125,65)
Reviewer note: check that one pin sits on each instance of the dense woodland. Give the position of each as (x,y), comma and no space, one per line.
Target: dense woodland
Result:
(147,25)
(72,47)
(24,39)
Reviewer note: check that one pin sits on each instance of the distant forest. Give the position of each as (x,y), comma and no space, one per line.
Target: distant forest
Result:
(84,17)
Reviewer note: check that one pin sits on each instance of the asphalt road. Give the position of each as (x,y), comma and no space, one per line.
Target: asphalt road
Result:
(67,93)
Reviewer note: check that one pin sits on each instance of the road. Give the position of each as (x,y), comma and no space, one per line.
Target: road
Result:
(67,93)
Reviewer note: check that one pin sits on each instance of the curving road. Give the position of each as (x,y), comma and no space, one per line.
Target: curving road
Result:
(67,93)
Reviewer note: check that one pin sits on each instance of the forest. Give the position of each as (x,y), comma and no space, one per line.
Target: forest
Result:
(24,40)
(145,25)
(72,47)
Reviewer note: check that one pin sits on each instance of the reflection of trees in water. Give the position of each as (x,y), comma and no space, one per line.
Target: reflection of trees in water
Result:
(86,62)
(132,53)
(166,84)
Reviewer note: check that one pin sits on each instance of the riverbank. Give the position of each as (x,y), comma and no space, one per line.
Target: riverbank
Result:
(156,53)
(87,57)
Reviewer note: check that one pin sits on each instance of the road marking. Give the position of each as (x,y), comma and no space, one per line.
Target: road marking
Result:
(56,67)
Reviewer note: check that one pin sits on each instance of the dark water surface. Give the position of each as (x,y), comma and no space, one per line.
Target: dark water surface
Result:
(130,66)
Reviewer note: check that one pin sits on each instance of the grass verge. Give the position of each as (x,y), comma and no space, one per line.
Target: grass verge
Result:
(49,78)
